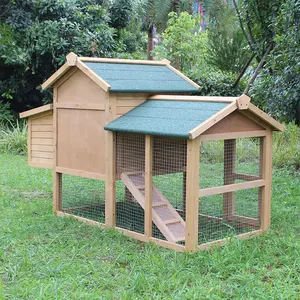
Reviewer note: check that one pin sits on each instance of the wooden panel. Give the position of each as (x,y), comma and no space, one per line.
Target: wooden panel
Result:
(80,140)
(235,122)
(80,89)
(40,149)
(124,109)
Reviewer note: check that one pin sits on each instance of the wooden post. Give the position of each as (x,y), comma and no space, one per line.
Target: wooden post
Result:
(148,185)
(184,194)
(57,177)
(229,169)
(192,192)
(266,161)
(110,182)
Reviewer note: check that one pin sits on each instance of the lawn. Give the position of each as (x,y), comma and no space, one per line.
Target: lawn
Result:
(47,257)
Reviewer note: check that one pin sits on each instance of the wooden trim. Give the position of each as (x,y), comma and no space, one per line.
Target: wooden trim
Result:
(222,242)
(262,115)
(98,80)
(148,185)
(29,141)
(81,219)
(243,102)
(64,78)
(193,98)
(192,199)
(122,61)
(266,163)
(213,120)
(133,234)
(36,111)
(251,222)
(247,177)
(80,173)
(80,106)
(110,183)
(231,188)
(71,59)
(229,168)
(184,77)
(232,135)
(167,244)
(59,73)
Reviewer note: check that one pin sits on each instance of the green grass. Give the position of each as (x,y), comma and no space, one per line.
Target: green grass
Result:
(47,257)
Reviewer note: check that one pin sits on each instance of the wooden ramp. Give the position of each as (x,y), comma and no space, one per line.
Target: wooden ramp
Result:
(164,215)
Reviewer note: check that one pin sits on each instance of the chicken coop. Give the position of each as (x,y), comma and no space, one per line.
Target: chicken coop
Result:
(130,149)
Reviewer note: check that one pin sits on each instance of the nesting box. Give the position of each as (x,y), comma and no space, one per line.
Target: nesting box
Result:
(131,150)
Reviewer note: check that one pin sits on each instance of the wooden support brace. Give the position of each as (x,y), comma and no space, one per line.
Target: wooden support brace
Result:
(148,185)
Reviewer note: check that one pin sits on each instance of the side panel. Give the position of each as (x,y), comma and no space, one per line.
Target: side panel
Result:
(40,140)
(128,101)
(80,109)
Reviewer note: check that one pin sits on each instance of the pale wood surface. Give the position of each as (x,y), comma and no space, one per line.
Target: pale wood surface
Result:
(35,111)
(59,73)
(231,188)
(265,210)
(79,90)
(265,117)
(193,98)
(232,135)
(80,173)
(192,198)
(243,102)
(212,120)
(71,59)
(93,76)
(235,122)
(81,106)
(123,61)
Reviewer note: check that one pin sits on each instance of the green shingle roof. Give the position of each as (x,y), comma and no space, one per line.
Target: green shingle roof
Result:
(124,77)
(166,118)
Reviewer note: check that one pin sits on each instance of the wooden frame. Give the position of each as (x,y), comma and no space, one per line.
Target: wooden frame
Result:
(193,98)
(148,185)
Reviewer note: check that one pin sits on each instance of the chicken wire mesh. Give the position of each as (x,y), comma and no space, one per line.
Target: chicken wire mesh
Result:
(168,194)
(224,163)
(83,197)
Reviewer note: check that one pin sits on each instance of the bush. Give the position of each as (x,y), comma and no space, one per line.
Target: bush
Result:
(5,113)
(13,138)
(214,83)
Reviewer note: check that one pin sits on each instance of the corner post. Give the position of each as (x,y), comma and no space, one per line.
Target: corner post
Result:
(148,185)
(266,173)
(192,194)
(57,177)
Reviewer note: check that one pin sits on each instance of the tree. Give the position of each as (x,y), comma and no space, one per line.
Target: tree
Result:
(156,12)
(35,36)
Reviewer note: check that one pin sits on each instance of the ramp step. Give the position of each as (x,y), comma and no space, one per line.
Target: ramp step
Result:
(164,215)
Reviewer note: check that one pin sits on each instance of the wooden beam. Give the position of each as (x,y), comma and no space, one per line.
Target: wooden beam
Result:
(262,115)
(59,73)
(231,188)
(229,168)
(90,73)
(192,199)
(247,177)
(232,135)
(148,185)
(81,106)
(193,98)
(123,61)
(212,120)
(35,111)
(222,242)
(80,173)
(265,210)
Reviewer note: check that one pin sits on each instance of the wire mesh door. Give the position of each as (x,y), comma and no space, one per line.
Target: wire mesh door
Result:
(225,163)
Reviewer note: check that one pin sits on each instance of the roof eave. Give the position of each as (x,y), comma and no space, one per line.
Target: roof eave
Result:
(36,111)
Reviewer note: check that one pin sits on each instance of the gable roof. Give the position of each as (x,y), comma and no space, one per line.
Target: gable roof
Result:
(119,75)
(182,119)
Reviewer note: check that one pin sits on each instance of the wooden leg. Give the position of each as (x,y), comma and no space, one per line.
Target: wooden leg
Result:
(266,162)
(184,194)
(192,195)
(229,169)
(57,188)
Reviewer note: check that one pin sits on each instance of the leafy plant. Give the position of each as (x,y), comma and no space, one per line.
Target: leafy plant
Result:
(13,138)
(5,113)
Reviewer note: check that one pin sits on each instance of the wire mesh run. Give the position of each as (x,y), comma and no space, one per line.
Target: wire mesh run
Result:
(225,163)
(83,197)
(169,176)
(130,169)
